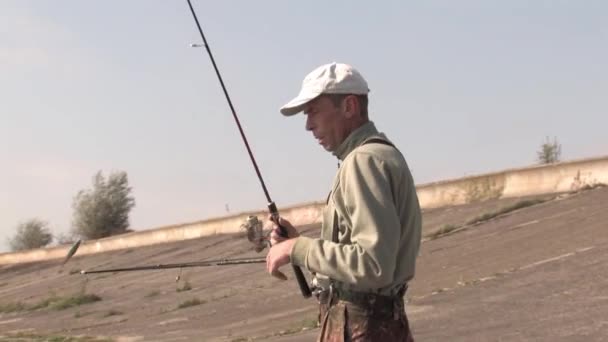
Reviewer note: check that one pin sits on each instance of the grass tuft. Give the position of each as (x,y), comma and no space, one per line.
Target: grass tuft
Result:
(588,187)
(448,228)
(185,287)
(506,209)
(152,294)
(190,302)
(112,313)
(68,302)
(444,229)
(62,303)
(12,307)
(22,336)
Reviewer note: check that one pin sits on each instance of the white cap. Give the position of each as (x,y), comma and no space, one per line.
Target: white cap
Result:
(333,78)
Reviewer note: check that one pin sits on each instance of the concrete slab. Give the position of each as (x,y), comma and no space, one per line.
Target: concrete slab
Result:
(535,274)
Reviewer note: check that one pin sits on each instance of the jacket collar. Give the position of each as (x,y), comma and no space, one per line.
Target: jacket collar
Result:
(355,139)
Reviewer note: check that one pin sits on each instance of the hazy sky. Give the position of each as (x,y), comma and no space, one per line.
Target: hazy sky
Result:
(461,87)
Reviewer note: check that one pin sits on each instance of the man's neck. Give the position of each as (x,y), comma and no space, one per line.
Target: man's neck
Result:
(354,139)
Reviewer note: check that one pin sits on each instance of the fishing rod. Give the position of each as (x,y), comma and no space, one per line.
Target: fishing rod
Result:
(217,262)
(255,234)
(272,208)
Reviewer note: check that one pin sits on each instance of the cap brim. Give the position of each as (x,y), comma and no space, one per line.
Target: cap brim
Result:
(298,103)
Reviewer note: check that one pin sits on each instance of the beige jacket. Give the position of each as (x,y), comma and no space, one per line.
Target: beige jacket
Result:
(374,205)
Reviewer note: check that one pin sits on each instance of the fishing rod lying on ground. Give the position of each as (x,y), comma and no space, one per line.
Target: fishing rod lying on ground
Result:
(217,262)
(255,234)
(271,205)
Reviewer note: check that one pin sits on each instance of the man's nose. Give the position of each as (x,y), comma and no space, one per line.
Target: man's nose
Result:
(308,123)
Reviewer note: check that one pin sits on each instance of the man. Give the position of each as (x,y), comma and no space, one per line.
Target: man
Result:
(371,228)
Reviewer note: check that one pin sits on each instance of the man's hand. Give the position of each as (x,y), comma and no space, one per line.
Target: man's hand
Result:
(279,255)
(275,236)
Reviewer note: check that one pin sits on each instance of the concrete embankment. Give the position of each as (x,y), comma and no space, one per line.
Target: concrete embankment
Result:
(541,179)
(298,215)
(561,177)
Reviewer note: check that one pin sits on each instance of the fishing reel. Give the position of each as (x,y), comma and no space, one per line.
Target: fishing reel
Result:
(260,239)
(255,233)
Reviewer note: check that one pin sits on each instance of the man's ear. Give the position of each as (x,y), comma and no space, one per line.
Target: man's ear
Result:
(350,106)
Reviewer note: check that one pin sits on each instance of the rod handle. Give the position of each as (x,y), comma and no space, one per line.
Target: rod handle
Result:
(300,278)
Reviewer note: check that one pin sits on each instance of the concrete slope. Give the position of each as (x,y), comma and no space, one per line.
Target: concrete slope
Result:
(533,274)
(538,274)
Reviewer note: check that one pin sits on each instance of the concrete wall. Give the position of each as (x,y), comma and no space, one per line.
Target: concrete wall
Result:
(298,215)
(561,177)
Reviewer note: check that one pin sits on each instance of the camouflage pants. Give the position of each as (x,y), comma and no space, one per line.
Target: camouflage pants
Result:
(344,321)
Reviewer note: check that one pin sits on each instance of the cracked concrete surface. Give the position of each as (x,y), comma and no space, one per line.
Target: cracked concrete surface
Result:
(535,274)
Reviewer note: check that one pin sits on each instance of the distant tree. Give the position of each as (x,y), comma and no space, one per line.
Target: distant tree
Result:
(103,210)
(65,238)
(550,152)
(31,234)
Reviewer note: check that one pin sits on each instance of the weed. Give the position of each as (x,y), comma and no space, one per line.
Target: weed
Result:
(524,203)
(587,187)
(75,301)
(112,313)
(79,314)
(45,303)
(228,294)
(12,307)
(152,294)
(53,338)
(185,287)
(447,228)
(59,303)
(190,302)
(483,217)
(444,229)
(512,207)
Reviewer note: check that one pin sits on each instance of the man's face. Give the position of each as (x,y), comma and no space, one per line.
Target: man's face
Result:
(328,123)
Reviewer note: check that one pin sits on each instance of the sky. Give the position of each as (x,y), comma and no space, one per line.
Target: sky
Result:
(461,87)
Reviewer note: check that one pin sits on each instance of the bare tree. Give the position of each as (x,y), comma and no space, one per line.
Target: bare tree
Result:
(103,210)
(31,234)
(550,152)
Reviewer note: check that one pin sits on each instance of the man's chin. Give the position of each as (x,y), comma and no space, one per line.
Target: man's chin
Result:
(327,147)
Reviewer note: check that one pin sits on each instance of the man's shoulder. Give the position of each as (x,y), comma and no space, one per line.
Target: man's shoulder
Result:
(377,147)
(382,140)
(379,154)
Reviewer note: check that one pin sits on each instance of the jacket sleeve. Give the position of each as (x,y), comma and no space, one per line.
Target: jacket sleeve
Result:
(364,202)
